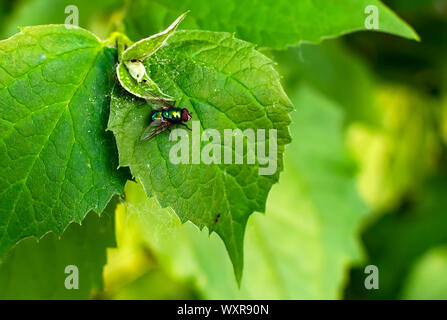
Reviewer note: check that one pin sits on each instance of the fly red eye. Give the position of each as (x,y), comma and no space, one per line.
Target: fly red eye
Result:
(186,116)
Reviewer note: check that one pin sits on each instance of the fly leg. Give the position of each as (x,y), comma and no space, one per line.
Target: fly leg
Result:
(183,124)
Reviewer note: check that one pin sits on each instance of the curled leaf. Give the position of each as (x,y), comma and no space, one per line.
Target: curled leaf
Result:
(131,71)
(146,47)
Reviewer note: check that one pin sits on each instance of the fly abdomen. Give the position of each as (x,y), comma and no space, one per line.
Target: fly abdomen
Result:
(156,115)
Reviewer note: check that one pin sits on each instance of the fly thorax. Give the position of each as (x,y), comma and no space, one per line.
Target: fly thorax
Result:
(175,114)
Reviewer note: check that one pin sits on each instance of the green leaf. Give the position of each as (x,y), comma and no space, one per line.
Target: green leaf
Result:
(303,245)
(36,269)
(227,84)
(269,23)
(56,160)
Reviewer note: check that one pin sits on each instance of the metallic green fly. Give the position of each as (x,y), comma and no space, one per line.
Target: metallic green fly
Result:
(165,117)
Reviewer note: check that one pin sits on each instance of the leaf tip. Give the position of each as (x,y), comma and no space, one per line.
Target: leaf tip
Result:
(238,276)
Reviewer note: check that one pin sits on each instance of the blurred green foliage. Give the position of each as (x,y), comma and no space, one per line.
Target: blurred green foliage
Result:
(427,278)
(337,72)
(36,269)
(399,240)
(96,16)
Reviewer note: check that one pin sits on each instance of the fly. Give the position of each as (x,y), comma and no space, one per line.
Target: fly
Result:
(164,118)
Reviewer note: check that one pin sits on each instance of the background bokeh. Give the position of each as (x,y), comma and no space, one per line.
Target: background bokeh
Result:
(365,182)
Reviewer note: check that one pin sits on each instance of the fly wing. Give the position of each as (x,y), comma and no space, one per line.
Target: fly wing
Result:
(164,104)
(156,127)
